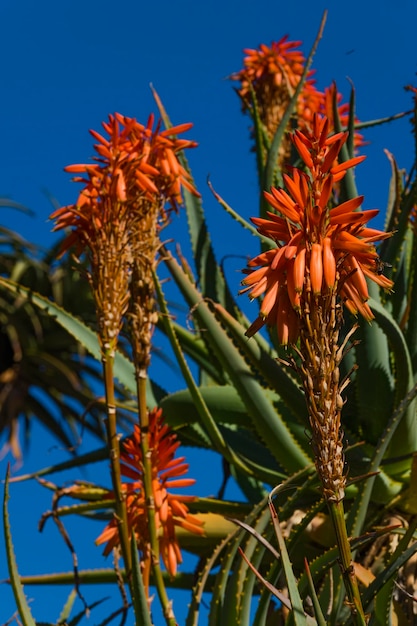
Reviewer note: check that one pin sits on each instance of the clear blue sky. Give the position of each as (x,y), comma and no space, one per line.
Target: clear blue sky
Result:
(66,64)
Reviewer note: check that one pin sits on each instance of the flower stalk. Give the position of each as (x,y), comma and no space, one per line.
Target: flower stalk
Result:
(114,455)
(150,506)
(324,252)
(117,220)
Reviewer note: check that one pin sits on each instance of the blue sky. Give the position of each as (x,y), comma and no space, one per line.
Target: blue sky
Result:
(66,65)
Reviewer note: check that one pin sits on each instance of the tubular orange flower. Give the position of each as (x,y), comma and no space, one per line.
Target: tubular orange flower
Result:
(118,216)
(273,72)
(136,166)
(320,247)
(171,510)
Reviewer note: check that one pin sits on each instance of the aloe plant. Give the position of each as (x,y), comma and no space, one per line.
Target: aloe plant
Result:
(244,397)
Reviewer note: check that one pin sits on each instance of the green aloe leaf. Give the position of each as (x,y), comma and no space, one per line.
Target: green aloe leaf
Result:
(399,222)
(347,184)
(242,580)
(224,605)
(314,598)
(66,611)
(210,276)
(298,614)
(266,361)
(262,144)
(207,420)
(193,345)
(269,424)
(103,576)
(404,440)
(359,508)
(374,383)
(17,586)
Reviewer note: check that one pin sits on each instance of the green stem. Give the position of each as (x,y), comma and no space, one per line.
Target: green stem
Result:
(346,563)
(150,502)
(114,454)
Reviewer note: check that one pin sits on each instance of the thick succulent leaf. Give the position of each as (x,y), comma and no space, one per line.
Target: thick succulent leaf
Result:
(262,143)
(394,194)
(210,275)
(318,613)
(266,241)
(207,420)
(226,599)
(274,574)
(242,582)
(17,586)
(201,582)
(223,402)
(227,409)
(104,576)
(67,608)
(321,565)
(374,383)
(359,508)
(193,345)
(390,250)
(266,362)
(348,189)
(404,440)
(411,298)
(299,616)
(231,597)
(269,424)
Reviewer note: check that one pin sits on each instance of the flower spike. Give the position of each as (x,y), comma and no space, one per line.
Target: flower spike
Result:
(320,247)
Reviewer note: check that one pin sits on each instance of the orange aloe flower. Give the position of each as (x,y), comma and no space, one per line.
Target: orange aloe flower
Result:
(135,166)
(273,74)
(171,510)
(319,247)
(121,208)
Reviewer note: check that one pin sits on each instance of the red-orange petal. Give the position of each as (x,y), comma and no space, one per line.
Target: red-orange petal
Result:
(316,268)
(329,263)
(299,270)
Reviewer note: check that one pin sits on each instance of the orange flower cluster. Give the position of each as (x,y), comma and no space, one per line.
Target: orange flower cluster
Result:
(281,63)
(319,248)
(170,510)
(273,73)
(136,166)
